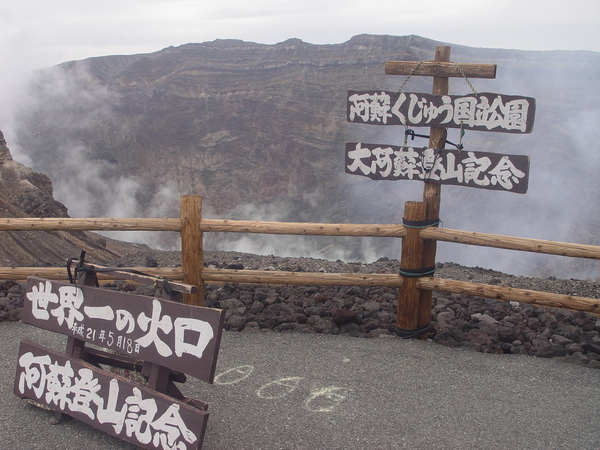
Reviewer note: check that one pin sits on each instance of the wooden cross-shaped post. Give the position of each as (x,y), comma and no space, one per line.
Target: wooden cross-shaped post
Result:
(441,69)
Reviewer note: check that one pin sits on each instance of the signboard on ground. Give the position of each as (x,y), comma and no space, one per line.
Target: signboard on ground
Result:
(106,401)
(182,337)
(484,111)
(456,167)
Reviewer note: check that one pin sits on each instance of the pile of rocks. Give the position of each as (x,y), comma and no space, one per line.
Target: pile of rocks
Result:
(458,321)
(11,300)
(484,325)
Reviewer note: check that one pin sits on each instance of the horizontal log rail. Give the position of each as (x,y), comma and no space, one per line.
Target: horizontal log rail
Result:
(212,275)
(512,243)
(301,228)
(301,278)
(215,225)
(60,273)
(504,293)
(71,224)
(307,228)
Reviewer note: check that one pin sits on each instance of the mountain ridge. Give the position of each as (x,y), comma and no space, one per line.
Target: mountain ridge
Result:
(258,131)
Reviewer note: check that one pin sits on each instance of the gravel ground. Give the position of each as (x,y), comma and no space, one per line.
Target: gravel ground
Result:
(484,325)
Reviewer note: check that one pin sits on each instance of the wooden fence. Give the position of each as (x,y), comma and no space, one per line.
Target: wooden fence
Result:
(413,312)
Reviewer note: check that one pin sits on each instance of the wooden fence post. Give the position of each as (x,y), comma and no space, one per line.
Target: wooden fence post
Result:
(432,191)
(411,263)
(191,247)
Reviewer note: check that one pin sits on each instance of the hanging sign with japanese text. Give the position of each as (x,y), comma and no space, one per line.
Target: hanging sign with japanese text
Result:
(182,337)
(107,401)
(456,167)
(484,111)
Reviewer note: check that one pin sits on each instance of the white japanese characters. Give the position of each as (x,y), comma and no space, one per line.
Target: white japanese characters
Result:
(468,168)
(119,328)
(78,390)
(162,336)
(486,111)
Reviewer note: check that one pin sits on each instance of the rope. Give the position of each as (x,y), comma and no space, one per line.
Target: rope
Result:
(414,69)
(466,79)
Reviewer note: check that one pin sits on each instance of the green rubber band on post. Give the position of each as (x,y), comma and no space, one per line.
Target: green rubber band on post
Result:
(415,273)
(421,223)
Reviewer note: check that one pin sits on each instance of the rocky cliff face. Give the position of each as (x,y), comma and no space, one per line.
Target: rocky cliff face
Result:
(258,131)
(25,190)
(26,193)
(233,121)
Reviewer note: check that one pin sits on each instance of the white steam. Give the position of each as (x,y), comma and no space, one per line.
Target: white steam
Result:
(561,204)
(333,248)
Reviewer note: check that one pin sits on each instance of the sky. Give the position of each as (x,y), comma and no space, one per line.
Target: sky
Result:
(42,33)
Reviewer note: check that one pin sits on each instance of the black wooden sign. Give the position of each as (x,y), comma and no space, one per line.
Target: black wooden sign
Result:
(107,401)
(457,167)
(484,111)
(182,337)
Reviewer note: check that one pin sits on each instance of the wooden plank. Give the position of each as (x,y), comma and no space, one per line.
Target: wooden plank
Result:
(139,276)
(432,192)
(223,225)
(504,293)
(440,69)
(65,224)
(407,317)
(192,247)
(485,111)
(512,243)
(125,362)
(182,337)
(303,228)
(60,273)
(107,401)
(482,170)
(225,275)
(301,278)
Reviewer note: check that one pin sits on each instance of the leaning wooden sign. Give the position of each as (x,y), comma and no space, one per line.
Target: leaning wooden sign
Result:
(107,401)
(182,337)
(176,336)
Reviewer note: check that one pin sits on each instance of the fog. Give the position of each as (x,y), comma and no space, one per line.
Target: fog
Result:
(561,204)
(562,201)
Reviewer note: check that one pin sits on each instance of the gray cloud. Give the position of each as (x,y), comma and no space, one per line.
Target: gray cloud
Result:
(52,32)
